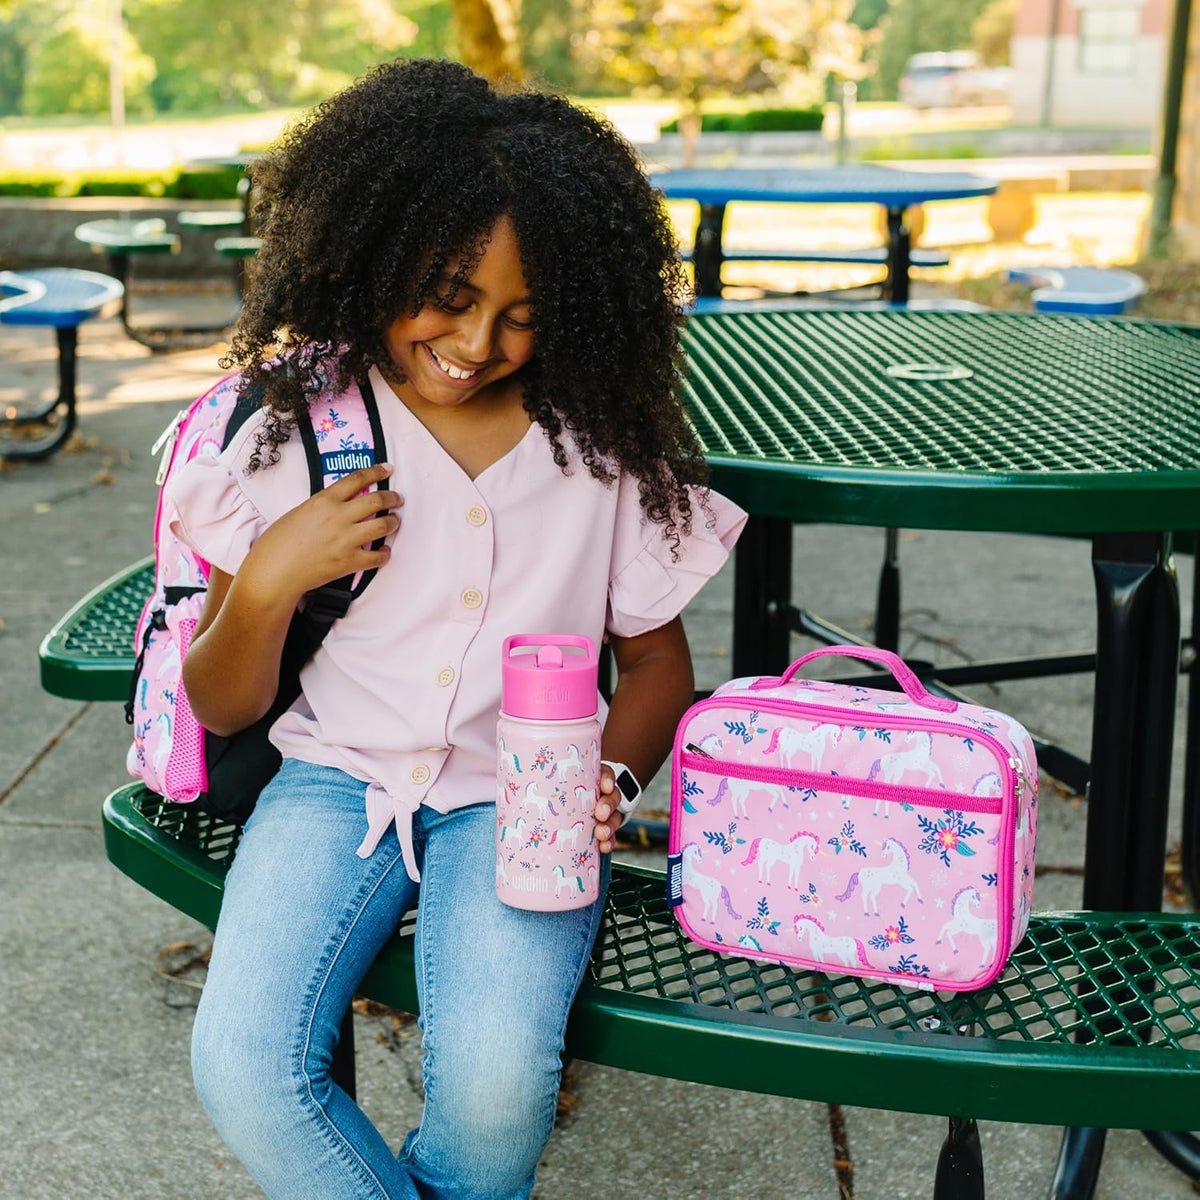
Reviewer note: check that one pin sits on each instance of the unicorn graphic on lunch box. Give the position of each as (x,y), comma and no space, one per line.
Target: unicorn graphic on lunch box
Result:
(739,789)
(768,852)
(891,768)
(710,888)
(847,950)
(790,742)
(872,880)
(964,919)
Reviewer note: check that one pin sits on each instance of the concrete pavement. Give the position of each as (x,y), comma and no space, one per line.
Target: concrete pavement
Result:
(96,997)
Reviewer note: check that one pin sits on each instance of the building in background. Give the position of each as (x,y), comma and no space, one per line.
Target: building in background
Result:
(1102,66)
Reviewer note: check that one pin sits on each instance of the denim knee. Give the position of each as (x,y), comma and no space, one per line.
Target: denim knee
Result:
(487,1115)
(239,1078)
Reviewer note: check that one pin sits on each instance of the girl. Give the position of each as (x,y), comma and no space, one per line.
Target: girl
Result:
(496,269)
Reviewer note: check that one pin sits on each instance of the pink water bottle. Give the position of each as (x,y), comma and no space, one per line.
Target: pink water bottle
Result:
(548,773)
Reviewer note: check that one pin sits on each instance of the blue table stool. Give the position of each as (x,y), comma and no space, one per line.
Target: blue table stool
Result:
(61,298)
(1090,291)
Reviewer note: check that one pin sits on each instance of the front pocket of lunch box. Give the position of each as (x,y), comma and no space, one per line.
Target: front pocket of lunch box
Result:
(824,869)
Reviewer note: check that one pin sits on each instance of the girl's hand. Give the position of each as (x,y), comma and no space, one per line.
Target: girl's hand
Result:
(327,536)
(608,819)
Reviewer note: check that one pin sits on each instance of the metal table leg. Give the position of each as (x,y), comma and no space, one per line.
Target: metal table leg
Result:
(706,253)
(341,1068)
(60,413)
(1190,849)
(895,286)
(1137,664)
(762,591)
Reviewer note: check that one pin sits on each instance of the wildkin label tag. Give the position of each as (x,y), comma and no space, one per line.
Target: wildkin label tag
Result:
(341,462)
(674,880)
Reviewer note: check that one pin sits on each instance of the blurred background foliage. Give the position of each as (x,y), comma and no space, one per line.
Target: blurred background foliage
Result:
(217,56)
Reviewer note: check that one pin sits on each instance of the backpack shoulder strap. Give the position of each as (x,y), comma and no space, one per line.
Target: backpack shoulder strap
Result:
(340,434)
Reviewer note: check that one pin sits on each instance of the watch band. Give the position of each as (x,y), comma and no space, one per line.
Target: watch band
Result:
(627,785)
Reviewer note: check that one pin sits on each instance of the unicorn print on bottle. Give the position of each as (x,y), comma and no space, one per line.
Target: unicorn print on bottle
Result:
(548,769)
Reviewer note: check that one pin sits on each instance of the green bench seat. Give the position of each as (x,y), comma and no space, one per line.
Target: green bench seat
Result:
(1096,1020)
(1094,1023)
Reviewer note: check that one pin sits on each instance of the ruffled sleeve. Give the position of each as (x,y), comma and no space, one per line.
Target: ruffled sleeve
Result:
(206,507)
(646,587)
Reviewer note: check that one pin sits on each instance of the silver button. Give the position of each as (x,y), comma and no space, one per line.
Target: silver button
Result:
(419,774)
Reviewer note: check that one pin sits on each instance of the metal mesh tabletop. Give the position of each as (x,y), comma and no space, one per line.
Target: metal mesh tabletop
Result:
(1127,985)
(1001,421)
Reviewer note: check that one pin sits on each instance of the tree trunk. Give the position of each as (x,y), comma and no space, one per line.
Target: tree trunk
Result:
(488,37)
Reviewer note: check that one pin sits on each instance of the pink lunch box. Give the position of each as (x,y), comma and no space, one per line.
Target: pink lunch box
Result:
(851,830)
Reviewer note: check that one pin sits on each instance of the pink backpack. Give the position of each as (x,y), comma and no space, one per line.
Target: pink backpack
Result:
(854,831)
(171,752)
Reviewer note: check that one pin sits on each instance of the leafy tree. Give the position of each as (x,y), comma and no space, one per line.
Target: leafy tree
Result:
(68,71)
(487,33)
(545,33)
(913,26)
(992,30)
(213,53)
(24,24)
(693,48)
(867,13)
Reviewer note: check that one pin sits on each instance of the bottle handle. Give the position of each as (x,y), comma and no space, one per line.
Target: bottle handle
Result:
(576,641)
(913,688)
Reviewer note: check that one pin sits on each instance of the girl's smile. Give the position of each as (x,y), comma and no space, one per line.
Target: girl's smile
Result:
(456,350)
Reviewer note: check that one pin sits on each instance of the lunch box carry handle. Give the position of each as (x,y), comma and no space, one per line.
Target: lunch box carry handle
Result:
(913,688)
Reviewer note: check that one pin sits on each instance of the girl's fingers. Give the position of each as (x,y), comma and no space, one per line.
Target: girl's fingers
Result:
(358,508)
(380,527)
(356,481)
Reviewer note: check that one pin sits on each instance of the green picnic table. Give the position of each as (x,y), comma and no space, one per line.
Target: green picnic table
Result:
(936,420)
(122,239)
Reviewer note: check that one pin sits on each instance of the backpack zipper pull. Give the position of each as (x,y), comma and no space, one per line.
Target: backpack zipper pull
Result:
(167,439)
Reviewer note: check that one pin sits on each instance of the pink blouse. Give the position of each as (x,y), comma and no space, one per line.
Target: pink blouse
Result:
(405,690)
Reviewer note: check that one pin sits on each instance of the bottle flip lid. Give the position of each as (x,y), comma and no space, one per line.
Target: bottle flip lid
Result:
(550,676)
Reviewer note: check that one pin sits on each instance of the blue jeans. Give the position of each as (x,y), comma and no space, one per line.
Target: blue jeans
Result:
(301,921)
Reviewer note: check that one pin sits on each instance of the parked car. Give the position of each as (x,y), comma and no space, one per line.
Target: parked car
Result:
(950,78)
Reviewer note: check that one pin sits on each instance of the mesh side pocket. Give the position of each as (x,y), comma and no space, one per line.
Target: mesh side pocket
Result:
(186,775)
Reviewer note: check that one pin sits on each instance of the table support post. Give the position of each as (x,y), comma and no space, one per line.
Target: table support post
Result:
(341,1068)
(706,254)
(1078,1167)
(1137,664)
(1190,849)
(762,592)
(960,1164)
(887,601)
(895,285)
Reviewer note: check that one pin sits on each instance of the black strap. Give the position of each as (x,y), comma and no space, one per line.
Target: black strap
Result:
(244,407)
(324,605)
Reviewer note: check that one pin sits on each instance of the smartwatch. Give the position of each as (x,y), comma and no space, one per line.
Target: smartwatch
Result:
(627,785)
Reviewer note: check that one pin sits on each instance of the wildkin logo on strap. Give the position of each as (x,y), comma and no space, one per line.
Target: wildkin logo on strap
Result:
(342,462)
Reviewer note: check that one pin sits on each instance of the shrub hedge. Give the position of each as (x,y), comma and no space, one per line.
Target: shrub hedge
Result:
(757,120)
(218,183)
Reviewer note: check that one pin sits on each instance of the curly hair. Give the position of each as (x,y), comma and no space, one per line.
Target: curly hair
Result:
(364,205)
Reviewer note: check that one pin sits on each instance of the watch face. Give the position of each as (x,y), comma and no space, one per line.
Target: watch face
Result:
(627,785)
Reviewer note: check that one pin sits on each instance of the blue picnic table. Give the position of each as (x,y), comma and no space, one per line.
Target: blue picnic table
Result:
(60,298)
(893,190)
